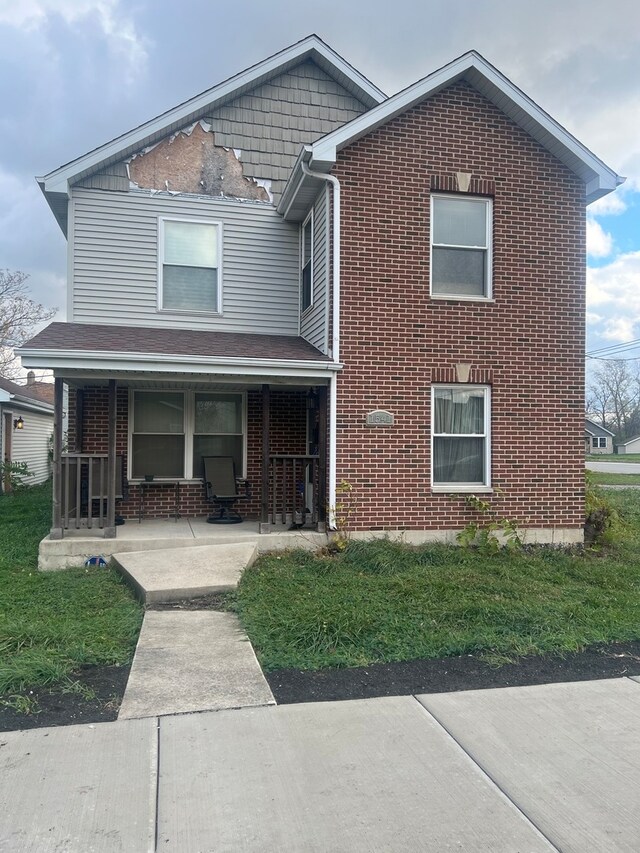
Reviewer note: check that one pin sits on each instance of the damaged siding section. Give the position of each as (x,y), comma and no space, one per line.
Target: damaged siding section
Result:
(191,162)
(114,177)
(272,122)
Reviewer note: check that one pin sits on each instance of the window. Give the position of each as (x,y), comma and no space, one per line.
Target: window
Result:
(218,429)
(307,263)
(599,441)
(189,266)
(157,445)
(461,246)
(460,431)
(172,430)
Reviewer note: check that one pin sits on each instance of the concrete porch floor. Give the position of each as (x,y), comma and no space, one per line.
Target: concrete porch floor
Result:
(160,534)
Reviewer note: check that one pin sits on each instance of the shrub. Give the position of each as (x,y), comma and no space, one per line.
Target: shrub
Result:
(602,522)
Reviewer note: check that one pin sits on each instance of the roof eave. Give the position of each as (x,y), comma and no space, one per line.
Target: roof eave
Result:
(59,360)
(172,120)
(599,179)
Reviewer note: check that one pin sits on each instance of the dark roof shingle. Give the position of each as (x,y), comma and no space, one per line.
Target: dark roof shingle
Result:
(89,337)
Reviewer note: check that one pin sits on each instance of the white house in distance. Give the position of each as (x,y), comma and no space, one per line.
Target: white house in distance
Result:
(631,446)
(597,439)
(27,425)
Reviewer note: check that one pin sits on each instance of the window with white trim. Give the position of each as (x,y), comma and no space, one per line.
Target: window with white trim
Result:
(460,429)
(599,441)
(306,256)
(189,265)
(172,430)
(461,246)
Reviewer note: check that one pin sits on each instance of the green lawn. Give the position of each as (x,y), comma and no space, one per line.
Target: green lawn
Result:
(614,457)
(602,478)
(53,622)
(380,602)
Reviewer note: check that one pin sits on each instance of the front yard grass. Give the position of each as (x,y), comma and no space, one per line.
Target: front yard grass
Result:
(383,602)
(613,457)
(52,623)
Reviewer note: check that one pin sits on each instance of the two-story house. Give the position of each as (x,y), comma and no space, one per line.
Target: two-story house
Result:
(329,286)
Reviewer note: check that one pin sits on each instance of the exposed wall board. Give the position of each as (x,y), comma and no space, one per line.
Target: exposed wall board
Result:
(115,263)
(191,162)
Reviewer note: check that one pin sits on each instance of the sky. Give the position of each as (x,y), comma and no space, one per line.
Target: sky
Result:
(76,73)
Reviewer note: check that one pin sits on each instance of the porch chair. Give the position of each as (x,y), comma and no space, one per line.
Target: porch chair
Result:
(221,488)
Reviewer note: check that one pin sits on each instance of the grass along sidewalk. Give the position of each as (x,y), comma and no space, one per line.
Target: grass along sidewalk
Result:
(606,478)
(52,623)
(383,602)
(613,457)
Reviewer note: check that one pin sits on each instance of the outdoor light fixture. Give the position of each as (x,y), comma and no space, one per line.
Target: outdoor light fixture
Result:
(18,424)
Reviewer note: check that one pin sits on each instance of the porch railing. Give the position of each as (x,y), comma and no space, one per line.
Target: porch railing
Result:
(295,490)
(85,488)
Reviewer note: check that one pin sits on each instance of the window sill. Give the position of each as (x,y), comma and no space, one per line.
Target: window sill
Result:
(454,297)
(462,490)
(186,313)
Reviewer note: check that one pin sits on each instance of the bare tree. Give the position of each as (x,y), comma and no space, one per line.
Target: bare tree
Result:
(19,315)
(613,397)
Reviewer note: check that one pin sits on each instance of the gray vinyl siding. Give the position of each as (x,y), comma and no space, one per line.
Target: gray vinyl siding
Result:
(115,262)
(270,124)
(114,177)
(31,445)
(313,324)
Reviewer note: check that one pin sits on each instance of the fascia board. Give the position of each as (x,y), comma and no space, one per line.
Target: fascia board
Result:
(31,405)
(60,179)
(162,363)
(325,150)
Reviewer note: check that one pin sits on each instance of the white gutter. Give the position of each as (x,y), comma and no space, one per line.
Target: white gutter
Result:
(335,344)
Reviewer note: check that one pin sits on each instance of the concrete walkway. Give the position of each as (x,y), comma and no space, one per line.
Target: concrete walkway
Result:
(192,660)
(546,768)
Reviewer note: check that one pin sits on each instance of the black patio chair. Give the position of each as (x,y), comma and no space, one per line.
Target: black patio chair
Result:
(221,487)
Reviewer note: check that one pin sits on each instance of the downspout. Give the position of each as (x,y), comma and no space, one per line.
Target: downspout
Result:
(335,338)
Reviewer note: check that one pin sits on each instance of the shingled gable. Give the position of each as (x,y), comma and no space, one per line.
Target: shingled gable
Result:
(55,185)
(471,67)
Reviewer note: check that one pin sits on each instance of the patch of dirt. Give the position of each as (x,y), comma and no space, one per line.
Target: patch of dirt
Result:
(441,675)
(53,707)
(444,675)
(213,601)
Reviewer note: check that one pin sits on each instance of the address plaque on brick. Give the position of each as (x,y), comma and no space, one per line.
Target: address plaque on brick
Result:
(379,418)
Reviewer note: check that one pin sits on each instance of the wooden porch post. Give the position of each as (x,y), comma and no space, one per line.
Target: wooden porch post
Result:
(265,527)
(110,528)
(322,457)
(58,396)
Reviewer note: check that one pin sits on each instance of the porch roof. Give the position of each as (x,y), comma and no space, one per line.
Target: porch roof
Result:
(89,346)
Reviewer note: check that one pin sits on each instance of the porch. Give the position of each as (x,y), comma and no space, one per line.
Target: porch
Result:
(161,534)
(113,471)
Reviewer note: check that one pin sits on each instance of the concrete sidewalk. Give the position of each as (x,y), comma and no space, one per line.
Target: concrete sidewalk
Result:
(547,768)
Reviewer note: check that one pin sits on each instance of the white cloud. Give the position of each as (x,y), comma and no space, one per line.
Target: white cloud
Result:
(599,241)
(115,24)
(612,204)
(615,290)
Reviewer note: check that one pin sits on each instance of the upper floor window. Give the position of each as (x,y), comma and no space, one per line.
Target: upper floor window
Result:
(461,246)
(189,264)
(306,300)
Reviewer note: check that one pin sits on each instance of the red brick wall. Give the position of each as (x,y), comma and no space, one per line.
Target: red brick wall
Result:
(287,435)
(395,341)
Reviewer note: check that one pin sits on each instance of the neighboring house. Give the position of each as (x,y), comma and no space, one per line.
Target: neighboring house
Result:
(597,439)
(26,422)
(332,286)
(631,446)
